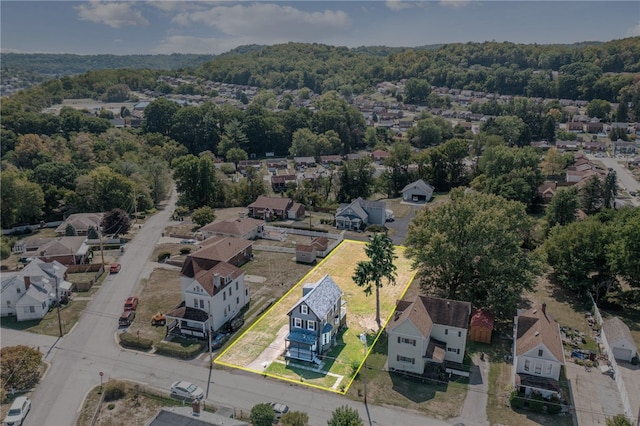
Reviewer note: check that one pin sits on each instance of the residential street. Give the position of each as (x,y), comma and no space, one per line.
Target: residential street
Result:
(625,179)
(90,348)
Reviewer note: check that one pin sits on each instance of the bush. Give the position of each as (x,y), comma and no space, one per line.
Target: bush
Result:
(516,399)
(554,405)
(262,415)
(111,406)
(182,352)
(114,391)
(185,250)
(163,256)
(131,341)
(376,228)
(536,403)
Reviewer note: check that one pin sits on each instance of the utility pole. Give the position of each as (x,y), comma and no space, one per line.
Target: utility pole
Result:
(101,247)
(55,271)
(363,339)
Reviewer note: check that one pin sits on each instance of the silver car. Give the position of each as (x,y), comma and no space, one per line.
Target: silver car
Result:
(186,390)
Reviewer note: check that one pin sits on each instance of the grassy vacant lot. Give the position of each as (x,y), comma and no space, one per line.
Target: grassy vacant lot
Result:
(360,315)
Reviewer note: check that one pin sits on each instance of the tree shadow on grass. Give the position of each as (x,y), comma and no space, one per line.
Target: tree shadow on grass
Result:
(416,388)
(563,295)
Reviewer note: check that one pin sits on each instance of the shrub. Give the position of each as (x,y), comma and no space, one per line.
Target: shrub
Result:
(376,228)
(554,405)
(131,341)
(177,351)
(111,406)
(536,403)
(185,250)
(114,391)
(516,399)
(262,415)
(163,256)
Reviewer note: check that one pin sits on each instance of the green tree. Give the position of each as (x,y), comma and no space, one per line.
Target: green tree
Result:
(262,415)
(203,216)
(555,162)
(356,179)
(618,133)
(417,91)
(103,189)
(92,233)
(345,416)
(116,222)
(576,251)
(471,249)
(370,273)
(197,182)
(549,129)
(295,418)
(622,252)
(590,195)
(618,420)
(562,208)
(21,201)
(70,231)
(158,116)
(610,189)
(235,155)
(599,108)
(117,93)
(20,367)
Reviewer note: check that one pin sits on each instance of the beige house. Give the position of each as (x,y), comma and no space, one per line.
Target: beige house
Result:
(81,222)
(427,330)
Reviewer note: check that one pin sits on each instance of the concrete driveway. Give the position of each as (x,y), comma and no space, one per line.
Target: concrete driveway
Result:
(595,395)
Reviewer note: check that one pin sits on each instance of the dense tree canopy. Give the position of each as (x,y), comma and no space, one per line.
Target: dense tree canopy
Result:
(471,249)
(20,367)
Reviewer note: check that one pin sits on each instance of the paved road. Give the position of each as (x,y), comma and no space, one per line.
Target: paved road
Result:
(90,348)
(625,179)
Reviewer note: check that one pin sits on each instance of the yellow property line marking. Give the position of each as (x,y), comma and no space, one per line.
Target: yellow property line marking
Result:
(319,268)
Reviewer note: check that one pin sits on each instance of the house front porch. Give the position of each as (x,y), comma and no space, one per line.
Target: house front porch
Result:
(301,345)
(546,386)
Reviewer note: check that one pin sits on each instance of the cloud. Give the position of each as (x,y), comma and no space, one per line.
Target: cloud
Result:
(634,31)
(455,4)
(267,23)
(113,14)
(397,5)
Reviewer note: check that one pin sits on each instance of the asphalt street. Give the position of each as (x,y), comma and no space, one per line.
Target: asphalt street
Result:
(77,358)
(625,179)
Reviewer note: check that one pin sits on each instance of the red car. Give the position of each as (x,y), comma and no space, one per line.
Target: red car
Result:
(131,304)
(114,268)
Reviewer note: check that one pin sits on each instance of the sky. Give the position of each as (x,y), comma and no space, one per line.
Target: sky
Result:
(214,27)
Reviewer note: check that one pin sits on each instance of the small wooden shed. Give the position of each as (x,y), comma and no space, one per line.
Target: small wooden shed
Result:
(481,326)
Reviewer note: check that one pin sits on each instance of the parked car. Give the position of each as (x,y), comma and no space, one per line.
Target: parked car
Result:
(279,409)
(158,319)
(219,340)
(18,411)
(188,242)
(131,303)
(235,324)
(126,318)
(187,390)
(114,268)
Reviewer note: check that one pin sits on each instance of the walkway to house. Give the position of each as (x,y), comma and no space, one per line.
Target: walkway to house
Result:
(272,352)
(474,410)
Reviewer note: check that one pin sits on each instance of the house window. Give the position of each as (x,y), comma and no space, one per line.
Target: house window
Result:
(224,296)
(401,358)
(230,291)
(446,331)
(246,291)
(538,369)
(297,323)
(311,325)
(32,309)
(549,367)
(236,285)
(325,338)
(527,365)
(195,303)
(9,303)
(201,304)
(459,333)
(407,341)
(539,352)
(18,290)
(304,309)
(237,300)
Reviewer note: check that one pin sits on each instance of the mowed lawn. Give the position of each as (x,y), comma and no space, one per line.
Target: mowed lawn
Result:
(361,312)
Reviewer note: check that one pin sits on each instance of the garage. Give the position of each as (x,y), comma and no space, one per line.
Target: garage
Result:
(622,353)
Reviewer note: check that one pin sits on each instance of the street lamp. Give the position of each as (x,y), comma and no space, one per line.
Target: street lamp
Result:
(363,339)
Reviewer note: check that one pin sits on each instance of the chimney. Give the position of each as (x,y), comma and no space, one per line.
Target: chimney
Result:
(216,280)
(544,308)
(27,282)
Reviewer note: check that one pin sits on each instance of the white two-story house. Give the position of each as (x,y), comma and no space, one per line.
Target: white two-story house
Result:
(538,352)
(427,330)
(211,298)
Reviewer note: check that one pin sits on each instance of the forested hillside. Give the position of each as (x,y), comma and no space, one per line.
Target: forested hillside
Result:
(583,71)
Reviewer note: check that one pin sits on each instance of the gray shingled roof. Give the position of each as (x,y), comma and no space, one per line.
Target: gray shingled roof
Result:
(321,299)
(419,184)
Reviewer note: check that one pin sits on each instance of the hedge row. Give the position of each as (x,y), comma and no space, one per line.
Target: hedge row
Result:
(131,341)
(182,352)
